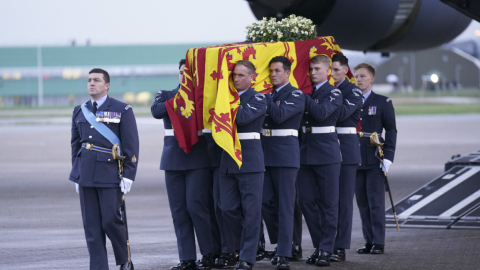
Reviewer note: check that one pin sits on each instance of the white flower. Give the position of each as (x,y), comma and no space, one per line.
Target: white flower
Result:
(253,38)
(264,34)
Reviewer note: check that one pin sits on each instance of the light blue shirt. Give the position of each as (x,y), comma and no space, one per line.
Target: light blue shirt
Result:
(241,92)
(280,88)
(100,101)
(366,95)
(338,84)
(319,85)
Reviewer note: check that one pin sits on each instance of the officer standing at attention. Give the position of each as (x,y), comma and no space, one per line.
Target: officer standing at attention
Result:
(281,150)
(98,125)
(241,188)
(320,159)
(188,180)
(349,146)
(377,115)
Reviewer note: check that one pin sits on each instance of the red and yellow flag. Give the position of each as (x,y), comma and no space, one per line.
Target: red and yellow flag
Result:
(208,98)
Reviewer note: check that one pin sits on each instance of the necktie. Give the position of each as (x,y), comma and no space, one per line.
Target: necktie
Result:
(313,89)
(94,107)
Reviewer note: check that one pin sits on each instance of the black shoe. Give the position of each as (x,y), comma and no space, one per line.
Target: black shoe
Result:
(185,265)
(237,256)
(312,259)
(282,263)
(338,255)
(225,259)
(270,254)
(127,266)
(323,258)
(365,249)
(206,262)
(296,252)
(274,259)
(243,265)
(260,251)
(377,249)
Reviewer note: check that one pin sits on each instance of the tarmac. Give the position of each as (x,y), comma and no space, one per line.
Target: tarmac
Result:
(41,226)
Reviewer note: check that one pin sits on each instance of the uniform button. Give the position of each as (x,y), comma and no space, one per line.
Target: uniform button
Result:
(91,126)
(108,159)
(266,125)
(306,112)
(360,118)
(306,122)
(266,114)
(89,137)
(361,110)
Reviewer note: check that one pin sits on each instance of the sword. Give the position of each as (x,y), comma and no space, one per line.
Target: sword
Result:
(390,195)
(129,264)
(375,141)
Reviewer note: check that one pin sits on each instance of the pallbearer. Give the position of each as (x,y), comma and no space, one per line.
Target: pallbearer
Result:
(282,156)
(377,115)
(320,160)
(350,148)
(188,180)
(241,188)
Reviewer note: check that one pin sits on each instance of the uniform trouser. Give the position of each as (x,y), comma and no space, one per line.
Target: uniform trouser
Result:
(241,199)
(281,182)
(215,219)
(345,205)
(297,224)
(272,218)
(230,240)
(270,214)
(370,194)
(101,216)
(317,188)
(188,193)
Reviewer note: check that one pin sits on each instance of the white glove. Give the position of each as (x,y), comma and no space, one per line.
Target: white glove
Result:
(76,188)
(126,185)
(386,164)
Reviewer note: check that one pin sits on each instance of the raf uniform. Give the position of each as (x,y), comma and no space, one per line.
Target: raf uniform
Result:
(97,174)
(377,115)
(349,113)
(282,159)
(189,183)
(320,160)
(241,189)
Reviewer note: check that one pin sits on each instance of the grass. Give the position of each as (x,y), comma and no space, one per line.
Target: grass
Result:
(409,109)
(409,105)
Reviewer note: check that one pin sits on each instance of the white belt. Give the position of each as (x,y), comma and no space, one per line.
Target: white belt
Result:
(248,136)
(206,130)
(346,130)
(169,132)
(329,129)
(279,132)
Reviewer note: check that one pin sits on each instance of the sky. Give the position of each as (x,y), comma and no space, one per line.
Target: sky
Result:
(120,22)
(58,22)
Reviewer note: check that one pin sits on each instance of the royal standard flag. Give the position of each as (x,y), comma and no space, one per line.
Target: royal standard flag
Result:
(208,99)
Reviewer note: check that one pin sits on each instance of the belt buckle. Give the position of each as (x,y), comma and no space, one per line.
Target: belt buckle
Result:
(268,132)
(88,146)
(308,130)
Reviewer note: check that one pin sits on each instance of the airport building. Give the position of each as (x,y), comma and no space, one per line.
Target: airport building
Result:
(441,68)
(133,69)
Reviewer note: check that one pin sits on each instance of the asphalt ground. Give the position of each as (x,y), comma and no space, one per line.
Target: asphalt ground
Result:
(41,227)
